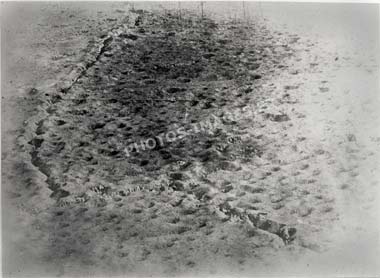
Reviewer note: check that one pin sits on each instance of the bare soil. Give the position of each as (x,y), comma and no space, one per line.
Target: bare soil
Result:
(276,188)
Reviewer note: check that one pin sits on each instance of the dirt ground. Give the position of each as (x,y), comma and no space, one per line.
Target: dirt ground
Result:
(40,44)
(286,185)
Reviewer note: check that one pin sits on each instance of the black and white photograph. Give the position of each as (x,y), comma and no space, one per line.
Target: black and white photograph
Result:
(190,139)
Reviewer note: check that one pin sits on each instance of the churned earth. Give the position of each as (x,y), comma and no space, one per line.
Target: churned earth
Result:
(182,144)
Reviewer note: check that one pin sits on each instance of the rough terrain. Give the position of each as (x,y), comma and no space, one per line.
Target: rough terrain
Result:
(257,186)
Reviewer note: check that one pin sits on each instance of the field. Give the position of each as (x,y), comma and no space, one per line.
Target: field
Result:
(144,140)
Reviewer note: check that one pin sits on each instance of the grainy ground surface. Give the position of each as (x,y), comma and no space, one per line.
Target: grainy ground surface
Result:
(300,149)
